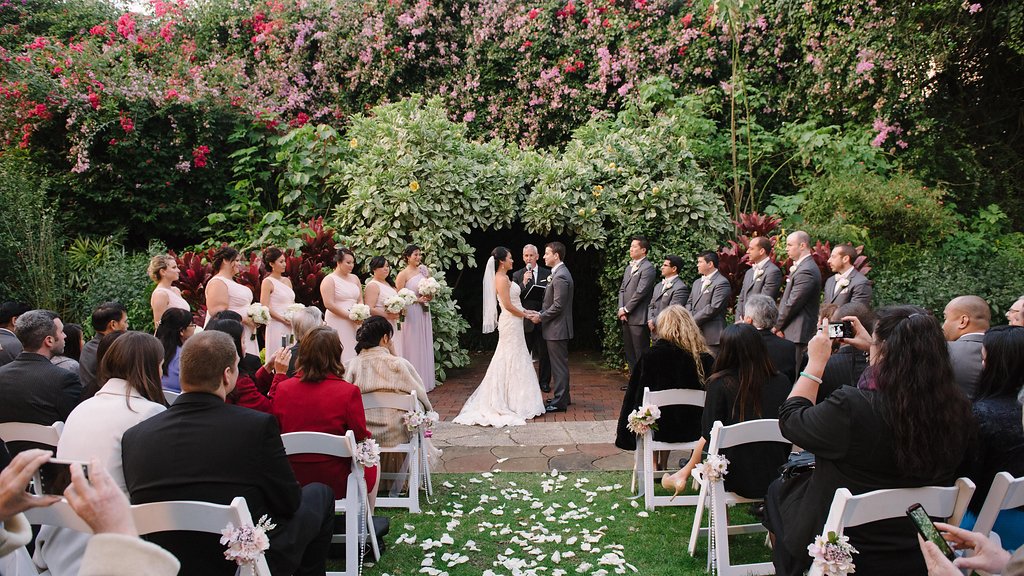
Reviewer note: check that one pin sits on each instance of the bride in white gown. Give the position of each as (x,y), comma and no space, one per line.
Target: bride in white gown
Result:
(509,394)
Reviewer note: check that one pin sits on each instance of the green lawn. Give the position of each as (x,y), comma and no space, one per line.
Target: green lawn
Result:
(532,523)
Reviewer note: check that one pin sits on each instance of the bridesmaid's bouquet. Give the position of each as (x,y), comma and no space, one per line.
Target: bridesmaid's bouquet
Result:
(359,312)
(395,304)
(429,287)
(259,314)
(293,309)
(409,296)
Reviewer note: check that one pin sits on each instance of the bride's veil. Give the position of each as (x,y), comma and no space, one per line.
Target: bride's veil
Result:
(490,298)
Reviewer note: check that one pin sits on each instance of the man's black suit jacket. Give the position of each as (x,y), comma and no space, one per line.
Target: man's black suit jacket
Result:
(35,391)
(541,275)
(782,353)
(203,449)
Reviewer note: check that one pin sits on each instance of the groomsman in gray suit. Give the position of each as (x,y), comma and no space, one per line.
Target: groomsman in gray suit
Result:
(555,319)
(848,284)
(763,277)
(965,321)
(798,309)
(634,298)
(671,290)
(709,299)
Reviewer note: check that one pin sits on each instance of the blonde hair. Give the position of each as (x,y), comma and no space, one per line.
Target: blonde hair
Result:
(676,325)
(156,265)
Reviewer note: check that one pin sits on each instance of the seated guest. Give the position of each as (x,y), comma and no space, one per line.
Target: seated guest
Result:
(1014,316)
(913,429)
(130,394)
(10,346)
(114,550)
(73,343)
(251,388)
(176,326)
(743,386)
(101,350)
(106,318)
(965,320)
(1001,438)
(319,400)
(377,369)
(33,390)
(249,363)
(847,364)
(678,359)
(302,323)
(204,449)
(762,313)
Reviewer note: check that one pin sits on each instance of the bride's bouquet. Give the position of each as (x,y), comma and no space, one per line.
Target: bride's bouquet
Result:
(395,304)
(429,287)
(359,312)
(259,314)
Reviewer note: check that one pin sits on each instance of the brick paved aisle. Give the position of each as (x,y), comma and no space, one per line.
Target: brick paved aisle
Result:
(580,439)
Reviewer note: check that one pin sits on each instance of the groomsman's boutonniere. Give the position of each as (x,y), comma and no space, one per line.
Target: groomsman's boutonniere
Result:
(842,283)
(758,274)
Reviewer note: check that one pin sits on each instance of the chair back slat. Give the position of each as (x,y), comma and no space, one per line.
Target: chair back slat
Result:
(764,430)
(319,443)
(25,432)
(58,514)
(394,400)
(674,397)
(190,515)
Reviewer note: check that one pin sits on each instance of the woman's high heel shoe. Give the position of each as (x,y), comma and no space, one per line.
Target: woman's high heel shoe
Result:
(670,482)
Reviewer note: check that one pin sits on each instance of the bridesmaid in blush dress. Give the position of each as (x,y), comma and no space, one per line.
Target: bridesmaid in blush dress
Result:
(223,293)
(163,269)
(277,294)
(378,290)
(417,335)
(340,291)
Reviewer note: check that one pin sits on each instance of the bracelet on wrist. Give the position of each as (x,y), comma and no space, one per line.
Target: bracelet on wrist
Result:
(811,377)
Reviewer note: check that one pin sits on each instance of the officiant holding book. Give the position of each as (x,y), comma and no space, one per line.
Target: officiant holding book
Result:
(533,279)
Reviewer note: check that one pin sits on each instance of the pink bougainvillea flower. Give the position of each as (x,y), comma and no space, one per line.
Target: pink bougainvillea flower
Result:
(38,44)
(686,20)
(126,123)
(534,13)
(170,94)
(126,26)
(974,8)
(98,30)
(199,156)
(94,100)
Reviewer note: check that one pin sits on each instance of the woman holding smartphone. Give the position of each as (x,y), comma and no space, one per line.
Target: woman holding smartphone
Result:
(909,427)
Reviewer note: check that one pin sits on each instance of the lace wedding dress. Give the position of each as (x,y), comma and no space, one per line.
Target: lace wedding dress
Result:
(509,394)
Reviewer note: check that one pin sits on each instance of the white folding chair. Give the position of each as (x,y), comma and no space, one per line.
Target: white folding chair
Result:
(162,517)
(25,432)
(643,464)
(354,505)
(196,517)
(1006,493)
(848,510)
(723,437)
(171,396)
(411,467)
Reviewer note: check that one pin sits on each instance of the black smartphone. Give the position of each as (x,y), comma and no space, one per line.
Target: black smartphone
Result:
(54,477)
(928,530)
(284,341)
(841,330)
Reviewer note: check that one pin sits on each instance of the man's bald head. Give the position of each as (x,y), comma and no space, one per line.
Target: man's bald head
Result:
(965,315)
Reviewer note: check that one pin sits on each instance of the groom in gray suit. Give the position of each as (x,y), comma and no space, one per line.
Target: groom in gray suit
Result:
(556,315)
